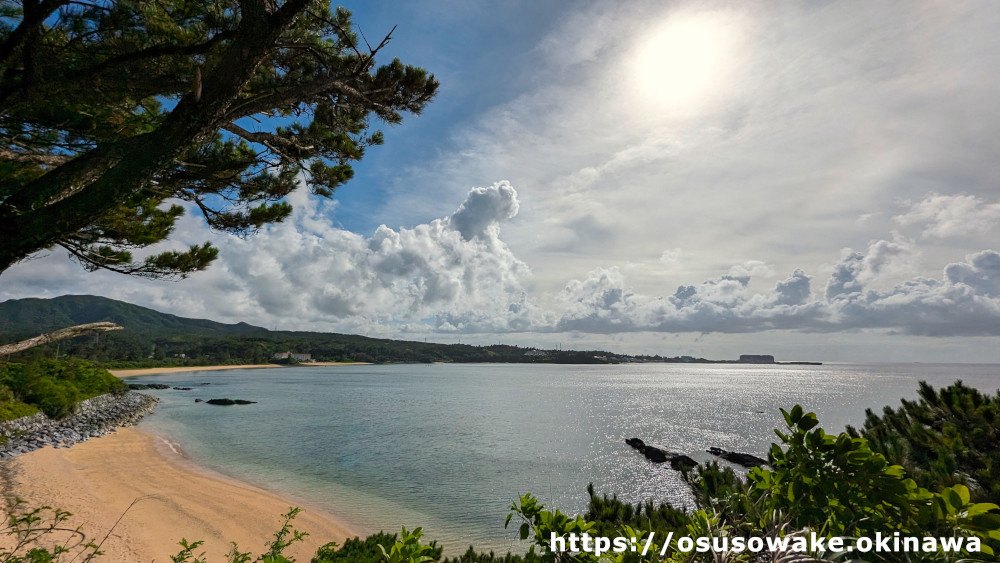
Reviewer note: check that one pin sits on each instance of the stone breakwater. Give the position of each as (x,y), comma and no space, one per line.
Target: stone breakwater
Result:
(93,418)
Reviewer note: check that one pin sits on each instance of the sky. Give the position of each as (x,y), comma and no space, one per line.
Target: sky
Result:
(816,181)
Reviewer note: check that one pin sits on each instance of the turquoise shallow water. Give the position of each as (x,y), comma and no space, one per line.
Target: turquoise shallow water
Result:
(449,447)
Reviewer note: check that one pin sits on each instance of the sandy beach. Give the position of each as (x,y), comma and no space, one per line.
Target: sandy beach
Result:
(153,371)
(97,481)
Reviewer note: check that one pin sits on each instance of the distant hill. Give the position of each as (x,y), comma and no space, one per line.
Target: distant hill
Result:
(34,316)
(154,338)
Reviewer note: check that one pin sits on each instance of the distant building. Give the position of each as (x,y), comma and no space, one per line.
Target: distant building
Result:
(536,353)
(757,359)
(293,356)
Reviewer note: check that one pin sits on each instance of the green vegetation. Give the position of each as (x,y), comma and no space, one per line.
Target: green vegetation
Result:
(833,485)
(109,111)
(52,386)
(947,437)
(11,408)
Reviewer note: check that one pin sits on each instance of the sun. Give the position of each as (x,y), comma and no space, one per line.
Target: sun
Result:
(681,64)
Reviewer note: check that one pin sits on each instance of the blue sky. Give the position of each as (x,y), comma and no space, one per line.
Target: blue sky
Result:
(810,180)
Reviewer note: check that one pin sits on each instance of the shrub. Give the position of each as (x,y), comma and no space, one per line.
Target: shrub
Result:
(57,399)
(947,437)
(55,386)
(13,410)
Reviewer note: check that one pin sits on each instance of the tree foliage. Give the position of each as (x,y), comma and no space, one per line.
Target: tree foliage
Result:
(113,114)
(946,437)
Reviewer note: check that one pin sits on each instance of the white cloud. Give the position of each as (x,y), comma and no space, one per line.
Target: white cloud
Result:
(966,301)
(483,210)
(428,279)
(946,216)
(752,268)
(855,270)
(671,256)
(452,272)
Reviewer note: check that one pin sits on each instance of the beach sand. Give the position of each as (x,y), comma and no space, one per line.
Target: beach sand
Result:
(98,479)
(152,371)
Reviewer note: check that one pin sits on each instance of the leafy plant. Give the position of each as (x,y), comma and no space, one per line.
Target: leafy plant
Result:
(28,531)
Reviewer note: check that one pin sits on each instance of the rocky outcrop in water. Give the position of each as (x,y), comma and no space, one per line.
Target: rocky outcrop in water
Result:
(145,386)
(93,418)
(660,454)
(636,443)
(681,462)
(227,402)
(745,460)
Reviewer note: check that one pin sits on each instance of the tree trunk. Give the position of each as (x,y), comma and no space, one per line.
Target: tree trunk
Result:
(70,332)
(75,194)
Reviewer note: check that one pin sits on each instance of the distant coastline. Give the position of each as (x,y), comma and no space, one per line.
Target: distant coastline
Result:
(125,373)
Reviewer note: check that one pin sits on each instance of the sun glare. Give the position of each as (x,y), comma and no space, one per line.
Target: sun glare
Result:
(680,64)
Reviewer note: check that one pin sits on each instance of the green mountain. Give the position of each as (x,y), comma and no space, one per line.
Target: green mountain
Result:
(153,338)
(33,316)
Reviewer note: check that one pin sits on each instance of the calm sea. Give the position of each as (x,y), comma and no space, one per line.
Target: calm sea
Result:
(449,447)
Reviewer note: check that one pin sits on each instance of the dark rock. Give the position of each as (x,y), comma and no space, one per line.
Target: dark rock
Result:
(205,384)
(658,454)
(229,402)
(636,443)
(198,400)
(144,386)
(745,460)
(682,463)
(182,388)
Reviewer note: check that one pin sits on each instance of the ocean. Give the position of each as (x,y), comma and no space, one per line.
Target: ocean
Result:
(449,447)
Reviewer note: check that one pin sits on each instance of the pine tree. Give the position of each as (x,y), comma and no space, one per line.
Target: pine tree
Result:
(113,112)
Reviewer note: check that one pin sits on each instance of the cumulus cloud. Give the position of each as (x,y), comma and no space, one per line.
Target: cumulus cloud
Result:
(752,268)
(483,210)
(964,302)
(980,272)
(603,303)
(946,216)
(856,269)
(793,290)
(456,275)
(452,274)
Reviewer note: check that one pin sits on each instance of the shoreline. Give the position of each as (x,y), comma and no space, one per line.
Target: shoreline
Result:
(97,480)
(123,373)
